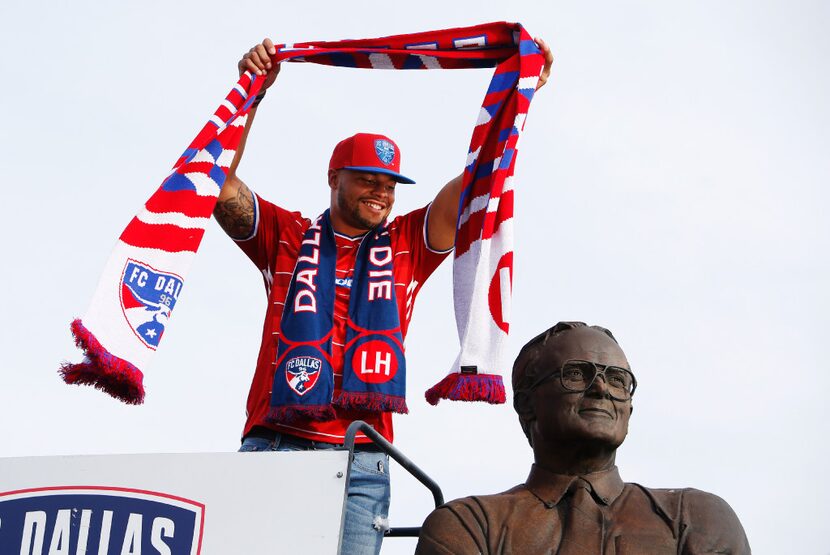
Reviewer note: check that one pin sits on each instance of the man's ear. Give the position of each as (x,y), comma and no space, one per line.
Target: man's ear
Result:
(332,179)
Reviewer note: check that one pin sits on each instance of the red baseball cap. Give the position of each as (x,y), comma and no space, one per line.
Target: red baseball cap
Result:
(367,152)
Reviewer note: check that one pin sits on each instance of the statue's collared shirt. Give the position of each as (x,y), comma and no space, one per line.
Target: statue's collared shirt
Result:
(528,519)
(550,488)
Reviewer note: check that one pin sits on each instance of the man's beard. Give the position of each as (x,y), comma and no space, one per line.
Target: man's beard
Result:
(353,211)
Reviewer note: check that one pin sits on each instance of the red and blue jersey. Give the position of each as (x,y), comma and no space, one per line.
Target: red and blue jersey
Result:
(274,247)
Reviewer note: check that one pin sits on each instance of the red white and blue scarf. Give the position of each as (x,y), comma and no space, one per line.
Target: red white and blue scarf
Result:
(143,278)
(304,378)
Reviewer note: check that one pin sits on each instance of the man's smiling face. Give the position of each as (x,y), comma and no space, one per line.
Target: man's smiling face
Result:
(591,416)
(360,200)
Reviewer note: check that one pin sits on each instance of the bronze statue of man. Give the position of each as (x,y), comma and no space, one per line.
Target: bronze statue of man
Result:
(572,391)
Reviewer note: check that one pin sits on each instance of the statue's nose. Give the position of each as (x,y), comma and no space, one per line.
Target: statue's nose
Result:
(600,384)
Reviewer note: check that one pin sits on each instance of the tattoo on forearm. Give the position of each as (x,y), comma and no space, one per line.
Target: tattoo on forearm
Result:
(236,215)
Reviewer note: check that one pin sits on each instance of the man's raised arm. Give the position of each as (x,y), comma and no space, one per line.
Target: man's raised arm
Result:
(444,210)
(234,208)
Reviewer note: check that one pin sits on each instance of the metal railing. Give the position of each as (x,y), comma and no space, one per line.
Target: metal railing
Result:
(401,459)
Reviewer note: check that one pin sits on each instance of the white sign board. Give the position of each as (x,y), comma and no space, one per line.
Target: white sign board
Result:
(185,504)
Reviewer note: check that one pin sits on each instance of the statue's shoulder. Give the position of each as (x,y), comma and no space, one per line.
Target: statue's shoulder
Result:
(462,525)
(675,501)
(698,514)
(492,502)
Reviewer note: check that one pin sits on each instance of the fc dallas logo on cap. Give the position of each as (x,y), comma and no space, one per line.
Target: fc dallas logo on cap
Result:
(385,151)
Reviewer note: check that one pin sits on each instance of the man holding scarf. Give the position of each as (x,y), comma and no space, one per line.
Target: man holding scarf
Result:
(340,293)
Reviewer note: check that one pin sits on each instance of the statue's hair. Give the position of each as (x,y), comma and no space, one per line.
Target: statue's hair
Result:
(525,370)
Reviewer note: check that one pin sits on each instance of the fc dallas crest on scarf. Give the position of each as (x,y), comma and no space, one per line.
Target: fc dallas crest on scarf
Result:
(147,299)
(128,314)
(301,373)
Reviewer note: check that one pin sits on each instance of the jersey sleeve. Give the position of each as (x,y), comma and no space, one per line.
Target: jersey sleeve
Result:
(271,225)
(412,229)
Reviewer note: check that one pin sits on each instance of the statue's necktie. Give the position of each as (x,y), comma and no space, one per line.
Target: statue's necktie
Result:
(583,532)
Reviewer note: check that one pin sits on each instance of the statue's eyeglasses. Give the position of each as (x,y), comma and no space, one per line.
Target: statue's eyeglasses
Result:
(578,376)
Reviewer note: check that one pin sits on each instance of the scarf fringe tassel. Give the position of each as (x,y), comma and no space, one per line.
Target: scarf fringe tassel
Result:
(291,413)
(468,387)
(103,370)
(375,402)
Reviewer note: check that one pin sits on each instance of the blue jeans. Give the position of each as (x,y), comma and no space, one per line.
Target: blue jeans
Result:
(367,505)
